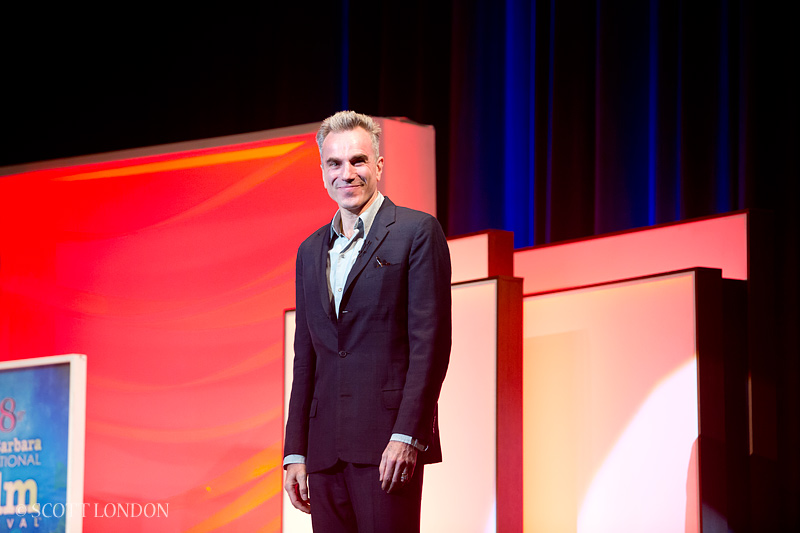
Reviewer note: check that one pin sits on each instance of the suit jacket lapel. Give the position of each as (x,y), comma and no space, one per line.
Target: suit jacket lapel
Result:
(380,228)
(321,268)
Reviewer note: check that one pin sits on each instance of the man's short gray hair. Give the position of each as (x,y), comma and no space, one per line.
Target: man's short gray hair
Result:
(347,121)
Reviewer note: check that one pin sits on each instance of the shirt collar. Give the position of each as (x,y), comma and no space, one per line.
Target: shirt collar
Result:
(367,218)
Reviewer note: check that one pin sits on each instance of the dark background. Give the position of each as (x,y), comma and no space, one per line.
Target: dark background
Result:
(555,119)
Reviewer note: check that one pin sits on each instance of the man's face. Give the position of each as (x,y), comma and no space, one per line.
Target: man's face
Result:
(350,170)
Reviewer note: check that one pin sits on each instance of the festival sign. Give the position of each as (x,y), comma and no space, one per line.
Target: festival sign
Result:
(42,424)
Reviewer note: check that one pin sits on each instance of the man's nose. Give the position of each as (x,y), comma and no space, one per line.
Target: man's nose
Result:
(349,171)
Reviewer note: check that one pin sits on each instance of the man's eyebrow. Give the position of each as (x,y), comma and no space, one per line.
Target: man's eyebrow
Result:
(333,159)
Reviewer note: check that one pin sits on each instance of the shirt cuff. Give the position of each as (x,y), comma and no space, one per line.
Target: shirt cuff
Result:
(406,439)
(294,459)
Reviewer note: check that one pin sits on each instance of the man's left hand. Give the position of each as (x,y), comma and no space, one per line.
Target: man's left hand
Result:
(397,465)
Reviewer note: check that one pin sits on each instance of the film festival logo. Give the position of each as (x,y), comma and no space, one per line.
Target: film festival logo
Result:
(20,507)
(18,497)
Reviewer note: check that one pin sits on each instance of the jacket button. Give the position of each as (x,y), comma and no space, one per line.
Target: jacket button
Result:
(342,354)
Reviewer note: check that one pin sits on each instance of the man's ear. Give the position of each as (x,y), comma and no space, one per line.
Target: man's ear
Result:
(379,166)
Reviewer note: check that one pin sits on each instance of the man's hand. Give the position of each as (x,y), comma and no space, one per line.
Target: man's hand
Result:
(296,486)
(397,465)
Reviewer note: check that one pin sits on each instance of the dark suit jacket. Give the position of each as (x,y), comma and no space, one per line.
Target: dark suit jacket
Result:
(377,369)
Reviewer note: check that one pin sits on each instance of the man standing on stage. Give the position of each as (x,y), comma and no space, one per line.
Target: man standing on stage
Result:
(372,345)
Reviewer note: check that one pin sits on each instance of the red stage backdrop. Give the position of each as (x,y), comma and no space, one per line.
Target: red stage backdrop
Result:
(172,272)
(171,268)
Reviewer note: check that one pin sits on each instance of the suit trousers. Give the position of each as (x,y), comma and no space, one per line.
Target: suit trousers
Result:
(348,499)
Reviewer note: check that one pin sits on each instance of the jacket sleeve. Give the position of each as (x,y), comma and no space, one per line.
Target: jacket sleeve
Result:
(429,330)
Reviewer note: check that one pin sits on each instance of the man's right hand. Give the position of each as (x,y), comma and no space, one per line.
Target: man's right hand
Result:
(296,486)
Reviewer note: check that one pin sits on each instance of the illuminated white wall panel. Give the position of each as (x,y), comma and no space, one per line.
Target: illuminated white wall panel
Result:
(476,248)
(482,255)
(459,493)
(294,521)
(610,407)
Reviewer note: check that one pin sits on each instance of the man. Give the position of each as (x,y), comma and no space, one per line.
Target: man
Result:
(372,345)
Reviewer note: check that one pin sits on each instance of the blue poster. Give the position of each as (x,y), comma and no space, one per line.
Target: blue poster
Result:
(34,429)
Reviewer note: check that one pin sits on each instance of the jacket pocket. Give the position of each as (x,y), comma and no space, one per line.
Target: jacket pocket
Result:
(392,398)
(383,269)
